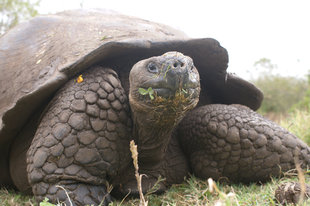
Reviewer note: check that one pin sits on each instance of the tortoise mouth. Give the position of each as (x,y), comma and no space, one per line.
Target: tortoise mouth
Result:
(169,102)
(168,93)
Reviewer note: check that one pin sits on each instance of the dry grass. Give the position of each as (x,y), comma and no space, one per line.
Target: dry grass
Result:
(134,155)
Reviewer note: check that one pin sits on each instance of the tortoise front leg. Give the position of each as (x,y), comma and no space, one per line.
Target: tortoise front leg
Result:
(235,142)
(82,141)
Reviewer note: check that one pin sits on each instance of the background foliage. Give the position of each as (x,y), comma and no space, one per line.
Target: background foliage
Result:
(14,11)
(281,93)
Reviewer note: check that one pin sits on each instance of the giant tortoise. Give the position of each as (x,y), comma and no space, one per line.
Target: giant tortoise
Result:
(78,86)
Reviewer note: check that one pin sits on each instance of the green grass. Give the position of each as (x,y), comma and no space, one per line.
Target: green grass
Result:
(298,122)
(196,192)
(192,192)
(13,198)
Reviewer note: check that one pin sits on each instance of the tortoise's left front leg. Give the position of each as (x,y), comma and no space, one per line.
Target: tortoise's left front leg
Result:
(237,143)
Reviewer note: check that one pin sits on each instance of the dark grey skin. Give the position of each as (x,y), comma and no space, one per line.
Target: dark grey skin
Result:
(82,142)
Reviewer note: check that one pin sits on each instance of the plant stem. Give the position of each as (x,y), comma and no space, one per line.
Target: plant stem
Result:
(134,155)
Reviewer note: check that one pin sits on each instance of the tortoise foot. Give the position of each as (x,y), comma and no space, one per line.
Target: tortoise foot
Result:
(72,194)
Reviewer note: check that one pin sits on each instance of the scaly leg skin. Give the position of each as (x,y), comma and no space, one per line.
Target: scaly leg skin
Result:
(75,193)
(82,141)
(234,142)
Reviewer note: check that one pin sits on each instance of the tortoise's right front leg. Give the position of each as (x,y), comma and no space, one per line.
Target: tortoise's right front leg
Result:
(235,142)
(82,141)
(77,193)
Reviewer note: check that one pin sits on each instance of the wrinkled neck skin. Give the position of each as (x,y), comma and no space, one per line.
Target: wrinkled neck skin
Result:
(153,126)
(151,135)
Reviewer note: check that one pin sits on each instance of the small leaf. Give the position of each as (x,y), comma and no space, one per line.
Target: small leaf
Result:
(46,203)
(103,38)
(166,71)
(183,90)
(106,38)
(143,91)
(150,90)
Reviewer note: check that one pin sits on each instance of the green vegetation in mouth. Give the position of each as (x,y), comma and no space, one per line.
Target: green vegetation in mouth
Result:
(149,92)
(184,91)
(168,68)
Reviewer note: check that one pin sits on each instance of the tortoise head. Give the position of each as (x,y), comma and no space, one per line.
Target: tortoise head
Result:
(169,83)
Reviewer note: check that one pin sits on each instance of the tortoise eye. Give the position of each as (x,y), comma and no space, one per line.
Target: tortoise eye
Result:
(151,67)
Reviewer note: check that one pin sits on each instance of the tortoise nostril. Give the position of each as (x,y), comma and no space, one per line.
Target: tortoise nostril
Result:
(178,64)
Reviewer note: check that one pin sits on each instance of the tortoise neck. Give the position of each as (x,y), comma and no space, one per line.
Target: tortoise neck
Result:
(152,132)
